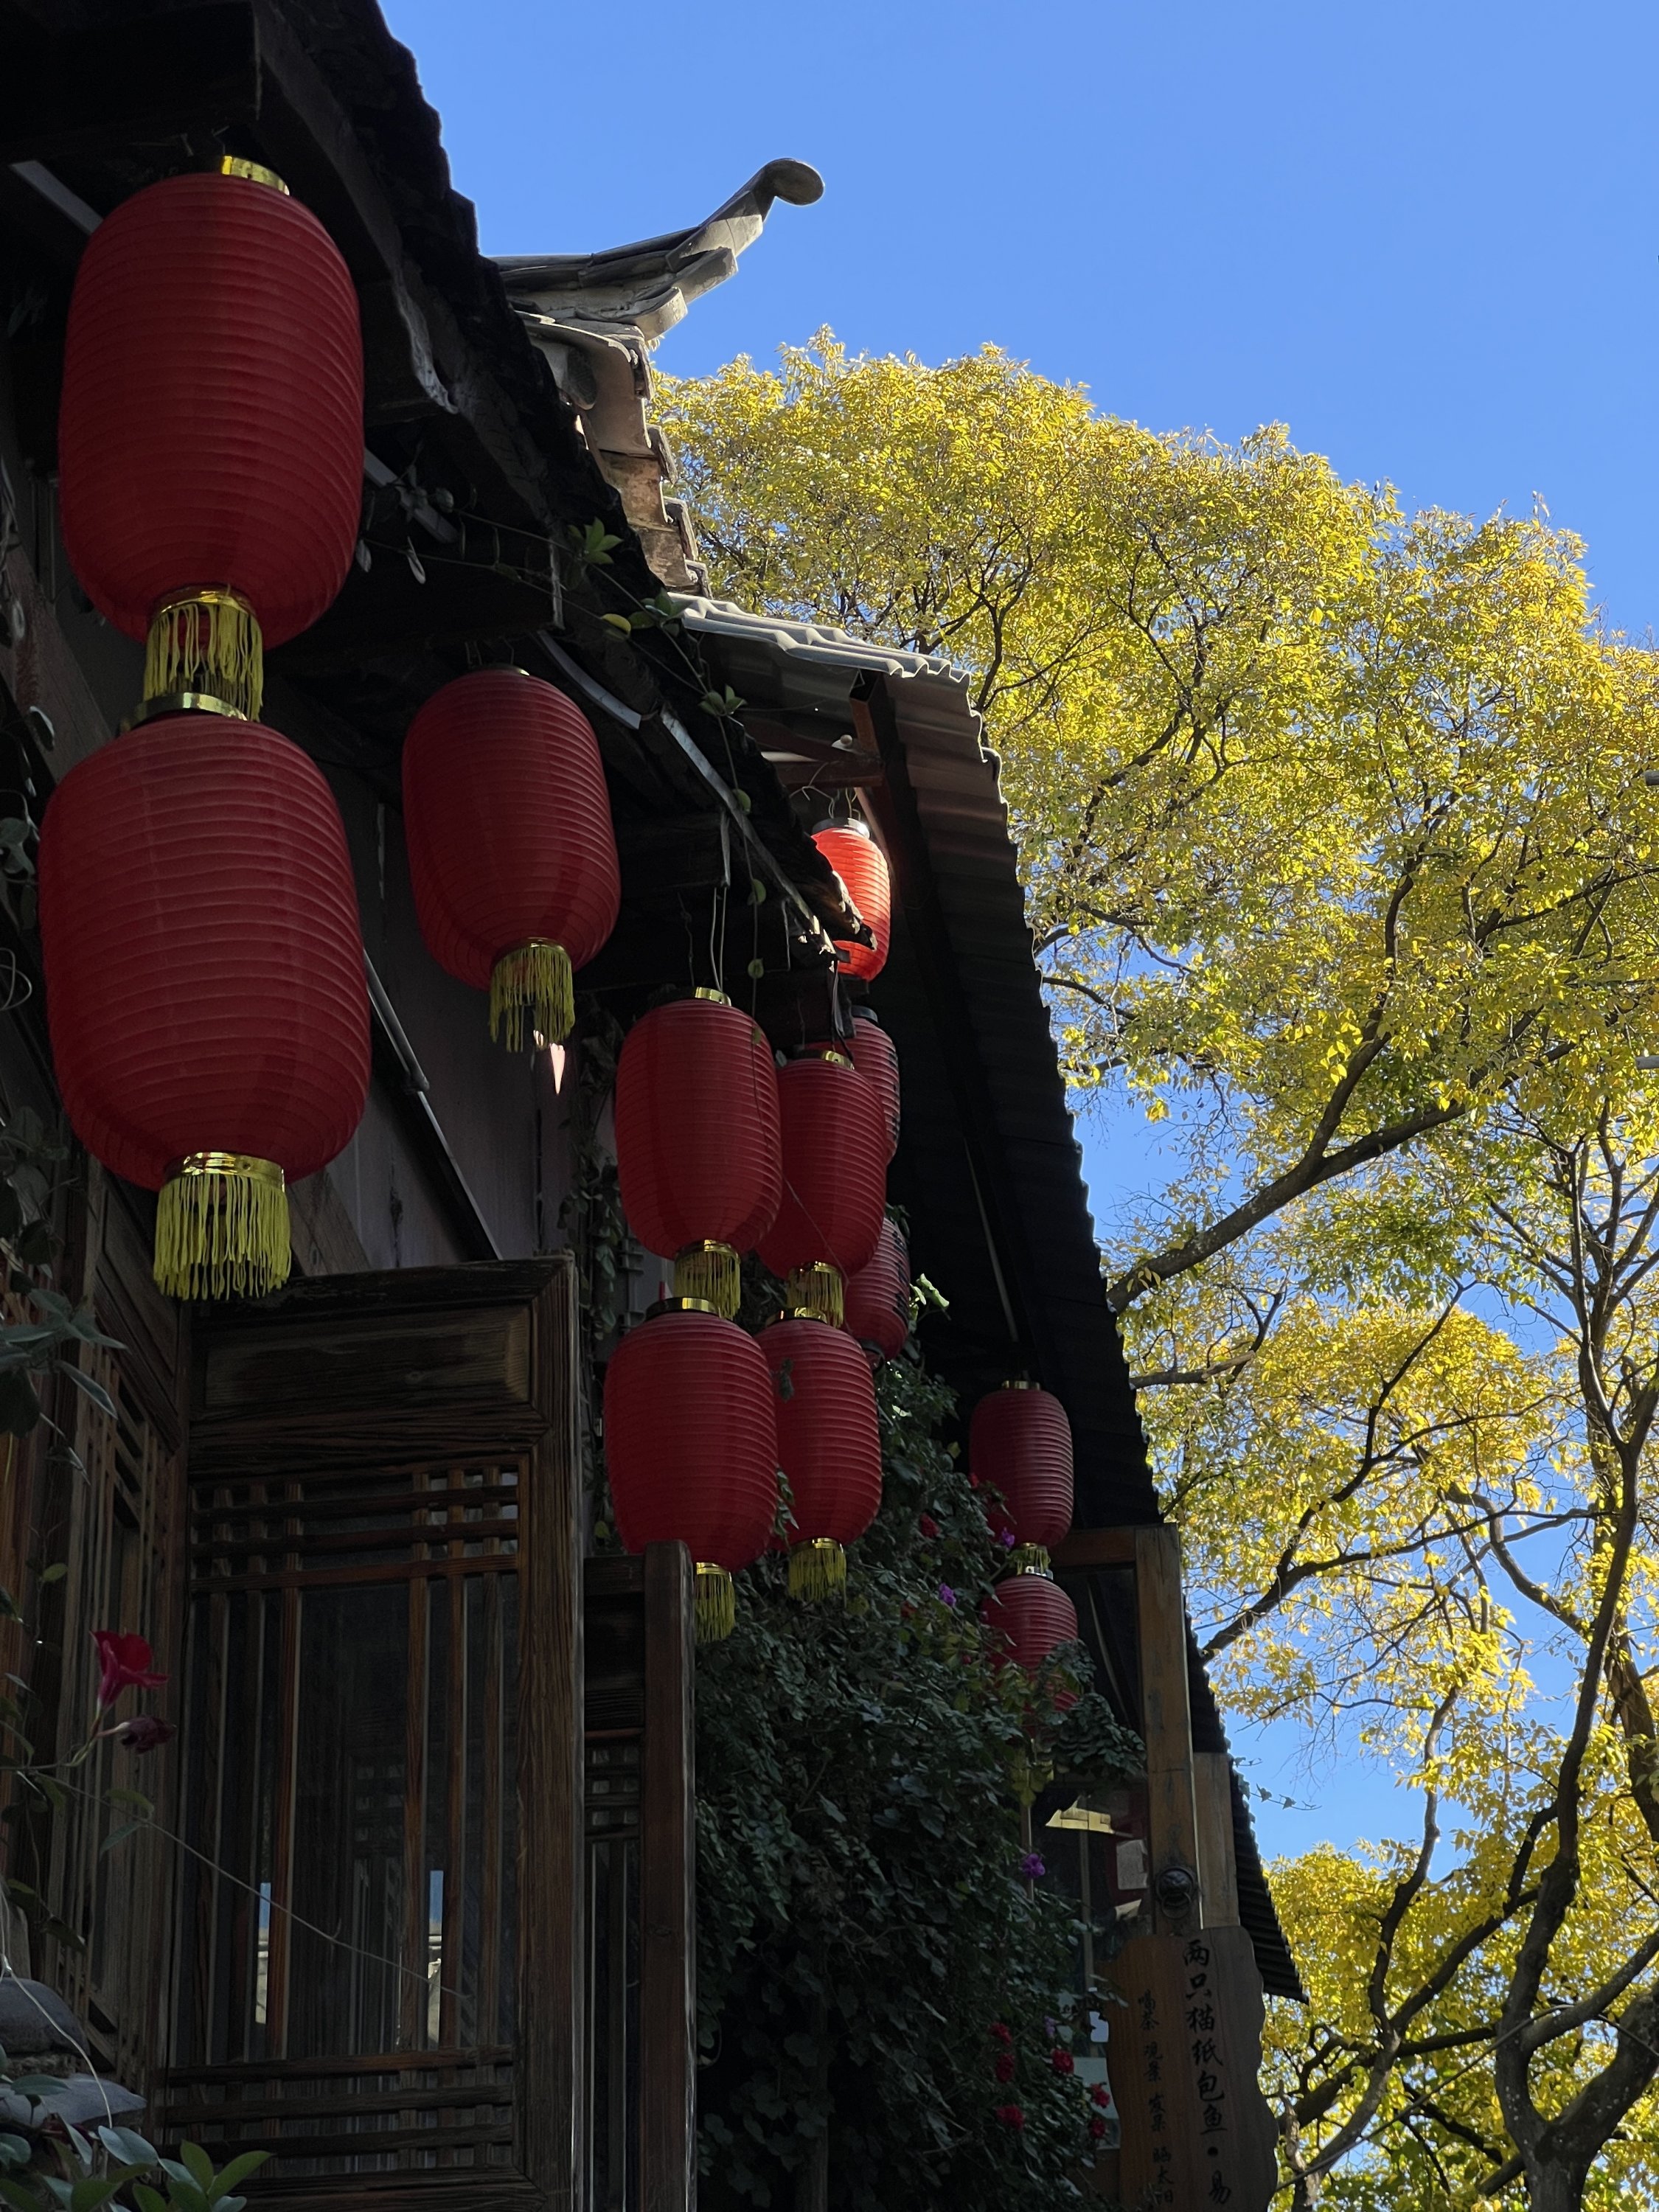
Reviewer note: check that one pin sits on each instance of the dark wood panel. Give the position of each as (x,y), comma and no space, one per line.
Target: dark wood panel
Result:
(668,2019)
(133,82)
(484,1356)
(551,1907)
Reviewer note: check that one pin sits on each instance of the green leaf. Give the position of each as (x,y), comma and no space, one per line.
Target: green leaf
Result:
(135,1798)
(619,622)
(200,2164)
(20,1409)
(119,1835)
(34,1243)
(89,1386)
(239,2169)
(54,1573)
(149,2199)
(14,2150)
(128,2145)
(97,2189)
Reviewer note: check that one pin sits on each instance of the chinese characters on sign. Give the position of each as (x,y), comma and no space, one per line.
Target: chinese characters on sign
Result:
(1196,2134)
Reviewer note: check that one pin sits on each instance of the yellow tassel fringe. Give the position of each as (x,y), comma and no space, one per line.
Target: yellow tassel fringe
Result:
(536,979)
(711,1271)
(1031,1559)
(818,1570)
(222,1227)
(715,1604)
(818,1290)
(206,642)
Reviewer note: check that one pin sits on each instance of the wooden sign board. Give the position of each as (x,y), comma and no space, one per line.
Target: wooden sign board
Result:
(1185,2049)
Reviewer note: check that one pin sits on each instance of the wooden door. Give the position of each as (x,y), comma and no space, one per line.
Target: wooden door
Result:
(379,1971)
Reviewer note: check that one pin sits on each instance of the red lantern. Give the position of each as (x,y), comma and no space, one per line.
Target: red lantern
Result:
(858,861)
(878,1297)
(1034,1614)
(1019,1441)
(828,1446)
(511,850)
(210,434)
(699,1153)
(834,1175)
(204,980)
(873,1056)
(691,1445)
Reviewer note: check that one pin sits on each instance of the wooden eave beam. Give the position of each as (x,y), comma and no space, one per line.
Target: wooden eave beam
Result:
(139,81)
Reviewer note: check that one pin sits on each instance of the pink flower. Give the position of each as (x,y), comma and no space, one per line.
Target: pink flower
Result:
(1100,2095)
(1097,2127)
(124,1662)
(1004,2066)
(928,1526)
(1003,2035)
(1062,2062)
(146,1732)
(1010,2116)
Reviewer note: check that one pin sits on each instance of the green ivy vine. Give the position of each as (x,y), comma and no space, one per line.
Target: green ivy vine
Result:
(879,1983)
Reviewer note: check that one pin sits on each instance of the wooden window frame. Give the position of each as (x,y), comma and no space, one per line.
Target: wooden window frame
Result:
(485,1362)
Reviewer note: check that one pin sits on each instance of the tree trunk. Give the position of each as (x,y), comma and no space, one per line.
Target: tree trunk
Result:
(1555,2187)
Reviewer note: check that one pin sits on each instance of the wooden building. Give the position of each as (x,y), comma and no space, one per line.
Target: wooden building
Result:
(353,1519)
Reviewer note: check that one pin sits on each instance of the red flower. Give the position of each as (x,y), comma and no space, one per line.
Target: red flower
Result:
(1062,2061)
(973,1482)
(1101,2094)
(146,1732)
(1010,2116)
(124,1662)
(1097,2127)
(1004,2065)
(1003,2035)
(928,1526)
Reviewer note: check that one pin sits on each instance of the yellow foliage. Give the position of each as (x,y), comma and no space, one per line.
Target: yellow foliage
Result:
(1341,861)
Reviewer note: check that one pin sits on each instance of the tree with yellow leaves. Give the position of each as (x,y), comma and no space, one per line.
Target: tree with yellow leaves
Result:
(1339,855)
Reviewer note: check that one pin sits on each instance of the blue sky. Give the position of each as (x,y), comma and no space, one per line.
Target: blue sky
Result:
(1426,237)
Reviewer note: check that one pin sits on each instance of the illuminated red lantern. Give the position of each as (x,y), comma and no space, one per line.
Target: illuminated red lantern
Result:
(690,1446)
(210,434)
(828,1447)
(835,1180)
(873,1056)
(511,850)
(1036,1615)
(204,984)
(699,1152)
(857,859)
(877,1300)
(1020,1443)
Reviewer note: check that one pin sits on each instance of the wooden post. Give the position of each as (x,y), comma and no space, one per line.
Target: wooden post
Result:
(1217,1864)
(668,2021)
(1171,1799)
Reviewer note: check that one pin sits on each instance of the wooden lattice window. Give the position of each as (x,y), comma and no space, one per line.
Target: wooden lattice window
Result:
(118,1523)
(378,1929)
